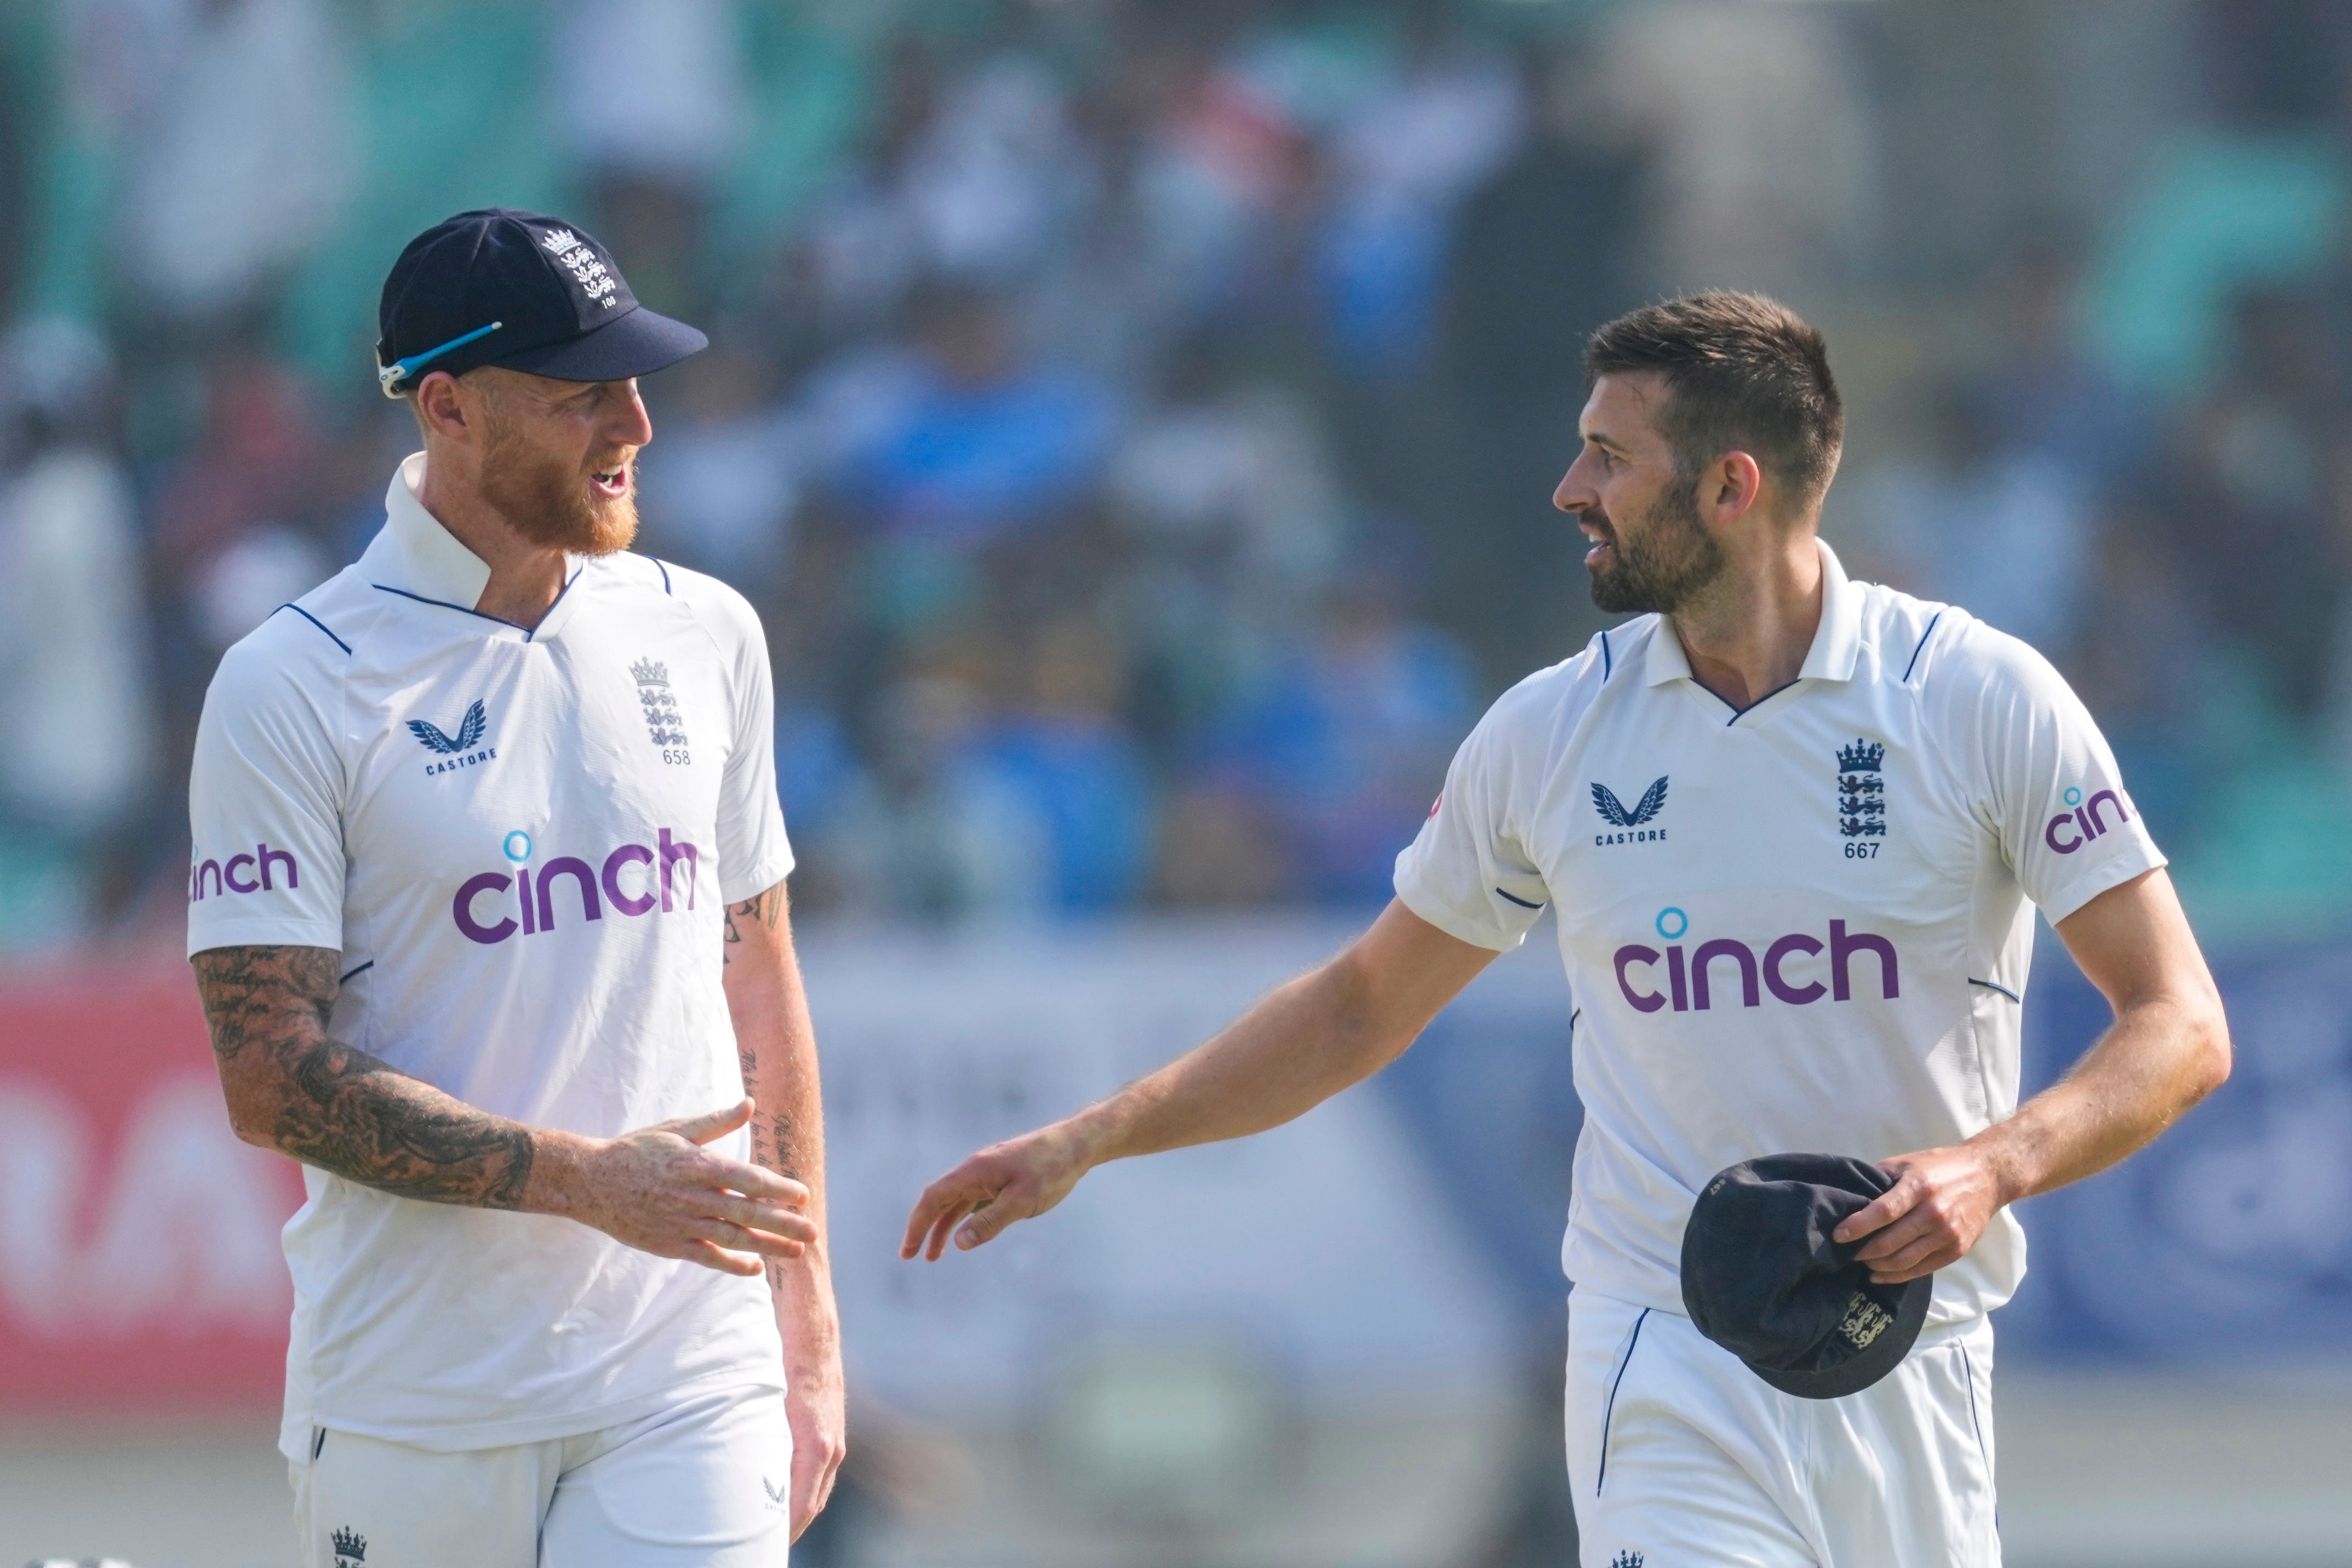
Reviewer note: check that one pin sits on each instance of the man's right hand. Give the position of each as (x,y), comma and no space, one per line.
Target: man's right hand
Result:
(1018,1179)
(658,1190)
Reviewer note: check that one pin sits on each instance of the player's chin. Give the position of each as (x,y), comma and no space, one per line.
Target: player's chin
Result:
(610,524)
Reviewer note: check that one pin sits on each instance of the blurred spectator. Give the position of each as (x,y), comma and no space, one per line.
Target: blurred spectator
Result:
(1347,741)
(997,175)
(656,151)
(1403,162)
(74,694)
(2143,640)
(1062,753)
(1226,165)
(2258,497)
(21,102)
(1545,251)
(2046,395)
(924,833)
(253,465)
(724,472)
(973,180)
(2004,531)
(1763,175)
(1229,497)
(815,767)
(863,249)
(449,111)
(268,565)
(236,148)
(2253,200)
(969,438)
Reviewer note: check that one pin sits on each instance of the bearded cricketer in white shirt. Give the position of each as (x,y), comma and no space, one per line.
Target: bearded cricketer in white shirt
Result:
(488,911)
(1809,931)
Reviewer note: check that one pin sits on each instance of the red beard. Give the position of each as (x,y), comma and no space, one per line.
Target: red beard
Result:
(554,505)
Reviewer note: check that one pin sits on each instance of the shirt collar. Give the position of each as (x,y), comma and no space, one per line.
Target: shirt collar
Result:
(422,557)
(416,555)
(1837,641)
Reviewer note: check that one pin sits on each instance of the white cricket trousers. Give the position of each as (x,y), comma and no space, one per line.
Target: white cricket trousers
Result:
(705,1485)
(1681,1458)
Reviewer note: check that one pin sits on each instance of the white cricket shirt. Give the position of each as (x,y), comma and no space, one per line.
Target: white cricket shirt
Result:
(521,844)
(1804,927)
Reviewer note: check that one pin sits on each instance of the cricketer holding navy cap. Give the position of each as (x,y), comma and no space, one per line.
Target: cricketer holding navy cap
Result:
(1792,829)
(487,906)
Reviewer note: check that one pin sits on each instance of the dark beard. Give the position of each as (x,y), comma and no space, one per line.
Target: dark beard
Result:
(550,504)
(1665,563)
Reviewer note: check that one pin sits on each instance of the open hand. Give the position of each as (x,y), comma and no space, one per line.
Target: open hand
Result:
(658,1191)
(1941,1201)
(1019,1179)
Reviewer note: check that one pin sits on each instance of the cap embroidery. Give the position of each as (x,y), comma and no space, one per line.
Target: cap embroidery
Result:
(1865,1319)
(560,242)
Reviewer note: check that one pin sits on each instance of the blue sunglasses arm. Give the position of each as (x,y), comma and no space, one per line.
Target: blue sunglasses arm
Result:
(389,376)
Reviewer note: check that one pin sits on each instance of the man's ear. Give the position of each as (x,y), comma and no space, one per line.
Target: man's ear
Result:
(442,408)
(1730,488)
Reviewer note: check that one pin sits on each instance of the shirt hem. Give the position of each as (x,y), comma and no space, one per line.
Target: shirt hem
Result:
(2133,862)
(465,1436)
(264,933)
(759,879)
(1445,920)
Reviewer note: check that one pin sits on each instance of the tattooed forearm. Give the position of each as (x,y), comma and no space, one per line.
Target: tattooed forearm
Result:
(292,1088)
(766,908)
(777,1048)
(783,1141)
(773,1144)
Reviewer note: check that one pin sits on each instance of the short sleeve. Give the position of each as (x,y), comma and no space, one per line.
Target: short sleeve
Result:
(264,802)
(754,853)
(2050,790)
(1466,873)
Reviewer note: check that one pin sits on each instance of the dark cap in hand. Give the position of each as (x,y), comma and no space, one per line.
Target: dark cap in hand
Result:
(1762,1278)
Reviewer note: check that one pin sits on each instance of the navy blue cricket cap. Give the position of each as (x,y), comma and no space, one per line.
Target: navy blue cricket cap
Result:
(520,289)
(1762,1278)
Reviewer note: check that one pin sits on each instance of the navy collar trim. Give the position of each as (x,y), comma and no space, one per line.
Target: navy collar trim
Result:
(527,632)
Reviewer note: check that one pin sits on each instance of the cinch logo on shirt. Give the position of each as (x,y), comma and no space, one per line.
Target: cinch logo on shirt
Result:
(255,873)
(538,906)
(2070,830)
(1687,977)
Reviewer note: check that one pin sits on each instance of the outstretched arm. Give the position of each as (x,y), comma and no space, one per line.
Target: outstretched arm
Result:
(777,1043)
(292,1088)
(2168,1049)
(1307,1040)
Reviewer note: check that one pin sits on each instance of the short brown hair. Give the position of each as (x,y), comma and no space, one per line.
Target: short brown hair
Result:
(1741,371)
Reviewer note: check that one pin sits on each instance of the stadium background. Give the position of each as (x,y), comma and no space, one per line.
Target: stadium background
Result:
(1135,423)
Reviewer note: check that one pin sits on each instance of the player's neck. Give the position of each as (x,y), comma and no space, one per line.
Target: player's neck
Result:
(1747,637)
(525,578)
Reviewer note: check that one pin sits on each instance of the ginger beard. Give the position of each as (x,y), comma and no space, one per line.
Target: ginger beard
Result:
(1668,558)
(547,498)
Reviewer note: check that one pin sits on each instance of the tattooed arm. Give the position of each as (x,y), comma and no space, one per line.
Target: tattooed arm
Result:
(778,1046)
(293,1089)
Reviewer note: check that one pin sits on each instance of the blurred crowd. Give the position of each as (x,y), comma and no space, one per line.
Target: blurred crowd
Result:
(1136,423)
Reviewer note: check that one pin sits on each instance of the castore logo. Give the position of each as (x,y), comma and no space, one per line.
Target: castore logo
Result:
(1614,813)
